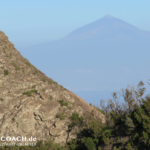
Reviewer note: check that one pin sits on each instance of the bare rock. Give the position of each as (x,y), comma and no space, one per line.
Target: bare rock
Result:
(29,100)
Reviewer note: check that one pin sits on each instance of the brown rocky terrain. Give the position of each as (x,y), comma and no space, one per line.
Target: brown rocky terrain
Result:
(30,101)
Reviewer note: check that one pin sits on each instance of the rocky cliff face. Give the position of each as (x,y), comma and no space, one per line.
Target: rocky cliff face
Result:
(30,102)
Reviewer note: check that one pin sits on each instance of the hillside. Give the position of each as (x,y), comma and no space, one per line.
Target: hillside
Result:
(32,104)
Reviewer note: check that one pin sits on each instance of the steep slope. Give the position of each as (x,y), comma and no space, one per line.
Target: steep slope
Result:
(30,101)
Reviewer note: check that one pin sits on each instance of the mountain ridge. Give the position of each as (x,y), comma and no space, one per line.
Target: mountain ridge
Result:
(31,104)
(108,24)
(110,51)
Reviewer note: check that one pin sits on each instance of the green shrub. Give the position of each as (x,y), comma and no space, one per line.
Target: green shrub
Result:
(145,137)
(131,120)
(100,110)
(28,64)
(13,119)
(129,123)
(4,48)
(52,82)
(36,71)
(128,146)
(115,148)
(55,82)
(16,67)
(6,72)
(51,97)
(43,79)
(90,144)
(61,116)
(1,99)
(75,120)
(105,140)
(72,144)
(46,128)
(29,93)
(34,86)
(99,148)
(62,103)
(69,107)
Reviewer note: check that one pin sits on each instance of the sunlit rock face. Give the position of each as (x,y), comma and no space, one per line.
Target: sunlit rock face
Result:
(29,100)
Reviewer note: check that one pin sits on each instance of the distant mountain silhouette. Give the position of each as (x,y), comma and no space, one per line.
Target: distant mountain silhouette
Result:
(106,46)
(108,27)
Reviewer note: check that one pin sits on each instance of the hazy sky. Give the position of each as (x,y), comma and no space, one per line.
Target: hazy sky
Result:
(29,22)
(32,22)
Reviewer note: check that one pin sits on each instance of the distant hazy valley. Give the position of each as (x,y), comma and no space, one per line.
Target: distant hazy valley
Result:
(96,59)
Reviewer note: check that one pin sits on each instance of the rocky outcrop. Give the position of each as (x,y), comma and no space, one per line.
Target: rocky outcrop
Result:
(30,101)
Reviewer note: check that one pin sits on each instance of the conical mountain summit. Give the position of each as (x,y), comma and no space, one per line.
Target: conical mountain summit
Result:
(31,104)
(108,27)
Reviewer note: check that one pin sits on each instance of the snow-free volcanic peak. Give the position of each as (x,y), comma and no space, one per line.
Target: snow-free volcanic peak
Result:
(108,28)
(108,15)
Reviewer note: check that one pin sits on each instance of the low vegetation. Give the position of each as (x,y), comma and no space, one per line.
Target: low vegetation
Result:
(52,82)
(16,66)
(63,103)
(75,121)
(100,110)
(1,99)
(62,116)
(127,124)
(43,79)
(51,97)
(28,64)
(43,90)
(29,93)
(34,86)
(6,72)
